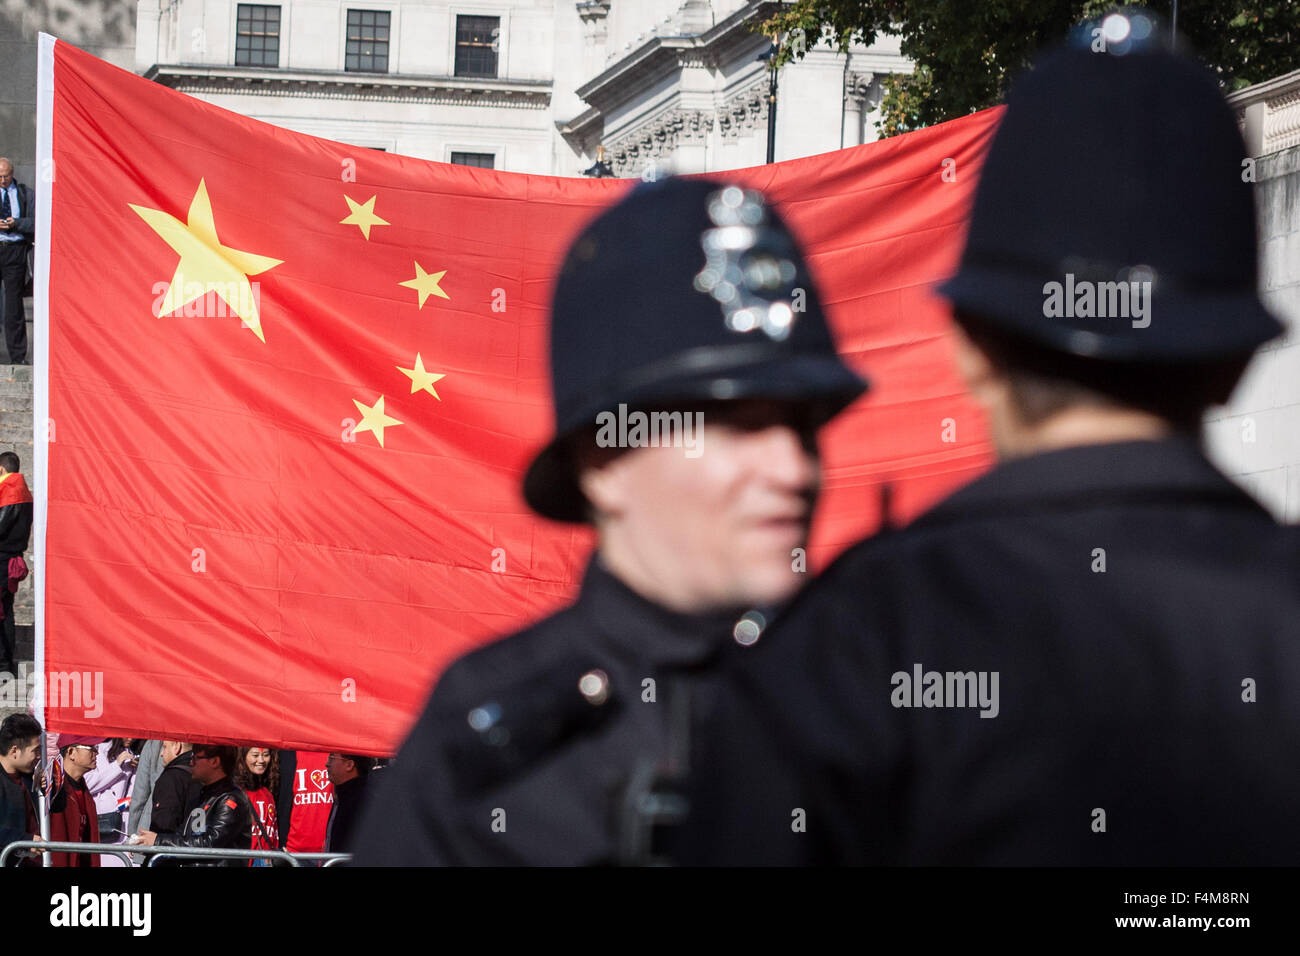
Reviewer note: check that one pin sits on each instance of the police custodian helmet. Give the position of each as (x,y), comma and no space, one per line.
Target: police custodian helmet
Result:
(1116,164)
(687,290)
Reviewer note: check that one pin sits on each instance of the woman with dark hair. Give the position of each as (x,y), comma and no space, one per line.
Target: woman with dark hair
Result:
(110,786)
(257,772)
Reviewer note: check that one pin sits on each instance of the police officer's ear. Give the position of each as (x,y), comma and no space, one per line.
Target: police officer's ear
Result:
(601,477)
(978,366)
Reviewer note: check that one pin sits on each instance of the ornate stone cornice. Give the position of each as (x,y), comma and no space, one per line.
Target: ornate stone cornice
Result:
(594,14)
(744,111)
(656,140)
(333,85)
(661,57)
(593,9)
(865,88)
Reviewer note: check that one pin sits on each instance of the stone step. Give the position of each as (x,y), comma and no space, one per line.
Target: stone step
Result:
(24,654)
(25,665)
(24,640)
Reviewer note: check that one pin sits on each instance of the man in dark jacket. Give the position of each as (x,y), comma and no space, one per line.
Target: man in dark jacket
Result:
(19,753)
(17,227)
(175,791)
(1091,655)
(15,533)
(221,818)
(348,773)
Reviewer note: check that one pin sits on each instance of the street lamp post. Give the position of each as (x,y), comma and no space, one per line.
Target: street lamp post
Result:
(600,169)
(770,56)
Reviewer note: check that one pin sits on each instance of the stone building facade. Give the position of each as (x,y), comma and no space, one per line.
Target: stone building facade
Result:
(535,86)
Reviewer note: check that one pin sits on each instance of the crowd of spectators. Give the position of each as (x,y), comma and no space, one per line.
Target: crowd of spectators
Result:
(172,793)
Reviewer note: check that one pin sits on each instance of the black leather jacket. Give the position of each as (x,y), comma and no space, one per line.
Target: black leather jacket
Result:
(222,818)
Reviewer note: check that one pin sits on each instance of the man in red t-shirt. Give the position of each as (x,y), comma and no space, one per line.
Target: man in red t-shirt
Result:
(305,800)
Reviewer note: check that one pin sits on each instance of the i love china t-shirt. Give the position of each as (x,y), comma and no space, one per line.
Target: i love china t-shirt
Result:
(313,798)
(265,837)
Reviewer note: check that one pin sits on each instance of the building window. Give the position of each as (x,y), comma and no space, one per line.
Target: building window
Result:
(481,160)
(257,35)
(476,45)
(367,49)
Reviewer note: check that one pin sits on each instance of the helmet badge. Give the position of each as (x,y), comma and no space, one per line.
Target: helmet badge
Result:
(748,265)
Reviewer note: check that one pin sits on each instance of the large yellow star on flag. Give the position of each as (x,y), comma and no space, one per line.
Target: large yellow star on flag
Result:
(206,265)
(362,215)
(422,380)
(426,283)
(374,419)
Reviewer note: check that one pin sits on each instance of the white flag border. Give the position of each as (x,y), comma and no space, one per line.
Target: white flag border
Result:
(46,176)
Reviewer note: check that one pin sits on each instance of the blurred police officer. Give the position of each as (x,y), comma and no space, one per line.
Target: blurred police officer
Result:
(687,305)
(1090,655)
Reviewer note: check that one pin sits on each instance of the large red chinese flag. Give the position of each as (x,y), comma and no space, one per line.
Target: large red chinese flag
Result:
(292,386)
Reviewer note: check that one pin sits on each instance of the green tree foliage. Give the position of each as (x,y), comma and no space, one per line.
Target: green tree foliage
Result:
(967,51)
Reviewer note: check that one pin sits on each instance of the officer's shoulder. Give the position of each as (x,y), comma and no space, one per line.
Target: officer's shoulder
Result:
(874,559)
(859,591)
(516,660)
(501,708)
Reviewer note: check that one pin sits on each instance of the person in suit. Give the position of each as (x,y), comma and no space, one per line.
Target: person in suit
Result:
(17,231)
(349,774)
(1091,654)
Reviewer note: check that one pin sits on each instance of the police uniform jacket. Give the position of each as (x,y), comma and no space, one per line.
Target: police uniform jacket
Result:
(1142,615)
(512,764)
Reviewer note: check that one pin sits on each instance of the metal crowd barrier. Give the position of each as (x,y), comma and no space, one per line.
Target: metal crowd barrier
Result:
(158,852)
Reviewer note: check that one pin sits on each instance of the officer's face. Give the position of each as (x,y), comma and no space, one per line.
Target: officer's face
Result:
(717,529)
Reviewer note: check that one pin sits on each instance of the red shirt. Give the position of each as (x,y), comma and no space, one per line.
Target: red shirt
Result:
(264,804)
(313,798)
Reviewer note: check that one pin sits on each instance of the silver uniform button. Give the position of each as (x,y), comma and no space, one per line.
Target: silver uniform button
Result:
(749,628)
(594,686)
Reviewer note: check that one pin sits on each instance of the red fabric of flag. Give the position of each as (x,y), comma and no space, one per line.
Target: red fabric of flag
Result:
(293,385)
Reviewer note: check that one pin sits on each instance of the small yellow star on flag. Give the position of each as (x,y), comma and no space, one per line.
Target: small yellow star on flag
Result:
(422,380)
(362,215)
(206,265)
(426,283)
(374,419)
